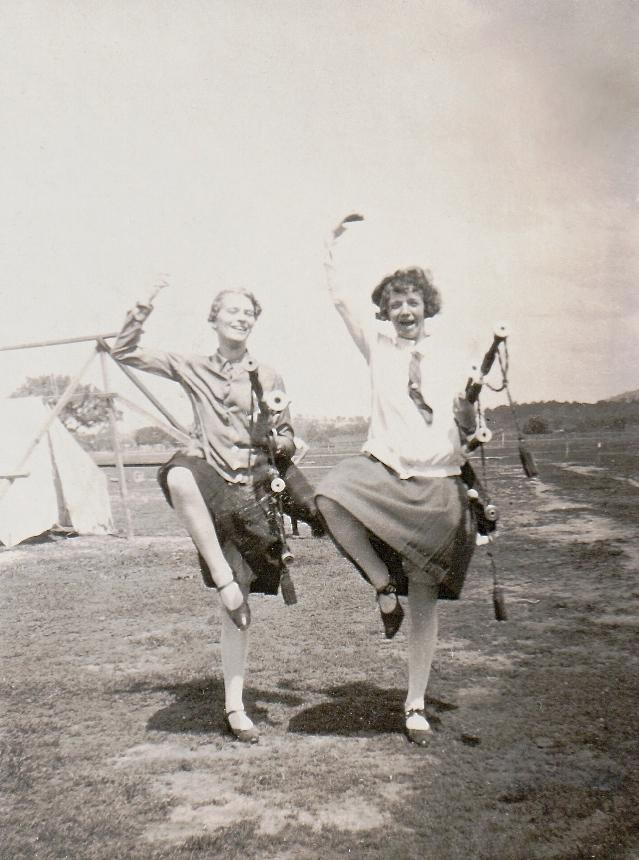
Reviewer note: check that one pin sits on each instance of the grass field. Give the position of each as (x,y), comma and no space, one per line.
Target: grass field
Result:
(112,738)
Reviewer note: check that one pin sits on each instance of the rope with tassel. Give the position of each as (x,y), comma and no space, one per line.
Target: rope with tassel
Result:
(482,435)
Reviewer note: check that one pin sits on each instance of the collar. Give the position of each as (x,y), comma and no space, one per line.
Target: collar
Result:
(222,364)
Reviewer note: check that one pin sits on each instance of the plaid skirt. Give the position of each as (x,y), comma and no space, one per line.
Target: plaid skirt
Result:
(244,524)
(418,526)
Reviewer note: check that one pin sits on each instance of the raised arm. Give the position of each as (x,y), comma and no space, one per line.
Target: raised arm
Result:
(127,350)
(129,337)
(340,295)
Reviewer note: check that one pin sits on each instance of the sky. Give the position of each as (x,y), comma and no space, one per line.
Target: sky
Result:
(217,143)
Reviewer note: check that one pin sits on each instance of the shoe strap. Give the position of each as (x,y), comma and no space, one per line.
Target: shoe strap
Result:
(226,585)
(419,711)
(389,588)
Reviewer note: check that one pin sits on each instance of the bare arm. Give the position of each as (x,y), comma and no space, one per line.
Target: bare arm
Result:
(341,297)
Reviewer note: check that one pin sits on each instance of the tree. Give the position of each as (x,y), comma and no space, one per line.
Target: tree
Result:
(536,424)
(87,408)
(153,436)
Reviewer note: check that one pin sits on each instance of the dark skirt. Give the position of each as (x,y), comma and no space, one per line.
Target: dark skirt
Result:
(425,522)
(243,522)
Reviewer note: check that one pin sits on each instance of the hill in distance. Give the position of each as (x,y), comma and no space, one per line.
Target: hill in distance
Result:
(626,397)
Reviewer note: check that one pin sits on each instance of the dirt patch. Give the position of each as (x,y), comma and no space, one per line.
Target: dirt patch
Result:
(207,801)
(599,470)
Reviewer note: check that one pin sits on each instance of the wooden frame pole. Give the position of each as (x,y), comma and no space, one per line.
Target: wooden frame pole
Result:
(67,394)
(35,344)
(115,440)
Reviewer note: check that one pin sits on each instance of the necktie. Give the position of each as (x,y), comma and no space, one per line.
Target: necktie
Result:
(415,387)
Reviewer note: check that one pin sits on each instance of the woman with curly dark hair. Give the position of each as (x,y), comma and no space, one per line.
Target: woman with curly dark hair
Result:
(399,510)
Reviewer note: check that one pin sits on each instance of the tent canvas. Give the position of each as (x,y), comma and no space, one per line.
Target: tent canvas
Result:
(63,486)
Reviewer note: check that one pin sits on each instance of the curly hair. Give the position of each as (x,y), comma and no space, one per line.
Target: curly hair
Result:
(402,281)
(217,302)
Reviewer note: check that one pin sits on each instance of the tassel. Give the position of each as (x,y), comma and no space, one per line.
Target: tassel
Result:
(499,603)
(287,587)
(527,460)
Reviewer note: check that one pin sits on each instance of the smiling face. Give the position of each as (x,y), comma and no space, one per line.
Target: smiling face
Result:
(234,321)
(405,309)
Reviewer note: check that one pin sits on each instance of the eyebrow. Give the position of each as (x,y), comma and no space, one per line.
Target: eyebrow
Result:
(237,308)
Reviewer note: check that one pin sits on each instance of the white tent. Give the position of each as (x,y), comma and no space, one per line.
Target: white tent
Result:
(61,483)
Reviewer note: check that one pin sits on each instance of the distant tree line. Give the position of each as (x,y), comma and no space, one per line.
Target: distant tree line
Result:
(325,431)
(153,435)
(87,408)
(552,416)
(86,415)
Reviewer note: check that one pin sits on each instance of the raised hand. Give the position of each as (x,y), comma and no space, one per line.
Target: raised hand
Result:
(333,237)
(143,308)
(341,227)
(161,284)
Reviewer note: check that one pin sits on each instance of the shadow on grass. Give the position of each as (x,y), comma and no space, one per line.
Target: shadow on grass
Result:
(358,708)
(199,706)
(361,708)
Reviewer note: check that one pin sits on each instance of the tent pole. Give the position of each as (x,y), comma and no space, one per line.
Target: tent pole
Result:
(151,397)
(142,387)
(58,342)
(116,446)
(67,394)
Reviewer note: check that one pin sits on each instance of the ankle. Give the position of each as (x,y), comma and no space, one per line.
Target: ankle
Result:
(384,586)
(238,718)
(223,577)
(386,597)
(416,719)
(231,594)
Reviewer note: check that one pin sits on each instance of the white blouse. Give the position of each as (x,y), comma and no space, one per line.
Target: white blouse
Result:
(398,434)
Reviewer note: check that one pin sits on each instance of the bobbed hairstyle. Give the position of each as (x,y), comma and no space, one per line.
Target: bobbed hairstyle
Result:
(405,281)
(217,302)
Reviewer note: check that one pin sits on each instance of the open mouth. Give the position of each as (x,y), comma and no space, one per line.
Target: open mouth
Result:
(407,328)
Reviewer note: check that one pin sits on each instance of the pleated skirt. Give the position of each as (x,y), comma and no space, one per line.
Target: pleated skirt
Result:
(426,522)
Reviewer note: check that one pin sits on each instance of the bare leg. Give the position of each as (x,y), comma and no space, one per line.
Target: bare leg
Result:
(194,516)
(352,535)
(422,642)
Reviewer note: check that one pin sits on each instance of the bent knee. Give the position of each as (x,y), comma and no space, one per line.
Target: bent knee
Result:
(327,507)
(422,586)
(181,483)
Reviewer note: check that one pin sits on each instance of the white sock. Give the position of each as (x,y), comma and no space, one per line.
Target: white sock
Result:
(422,640)
(234,647)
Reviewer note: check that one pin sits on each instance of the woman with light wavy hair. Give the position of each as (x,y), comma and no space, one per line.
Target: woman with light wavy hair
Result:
(217,484)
